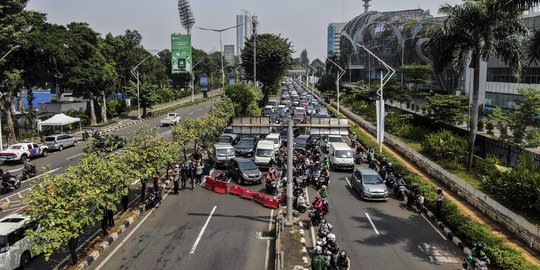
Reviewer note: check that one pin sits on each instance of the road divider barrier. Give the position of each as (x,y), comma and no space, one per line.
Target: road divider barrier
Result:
(209,183)
(220,187)
(271,203)
(247,194)
(260,198)
(236,190)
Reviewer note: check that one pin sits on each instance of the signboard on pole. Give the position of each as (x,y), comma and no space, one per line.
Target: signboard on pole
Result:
(203,83)
(181,53)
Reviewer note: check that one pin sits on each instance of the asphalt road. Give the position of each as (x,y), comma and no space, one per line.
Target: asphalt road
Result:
(180,234)
(385,235)
(58,161)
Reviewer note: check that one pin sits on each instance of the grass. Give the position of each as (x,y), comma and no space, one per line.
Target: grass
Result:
(468,177)
(416,145)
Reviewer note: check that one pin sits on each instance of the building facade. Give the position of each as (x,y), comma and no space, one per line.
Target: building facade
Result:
(244,31)
(334,37)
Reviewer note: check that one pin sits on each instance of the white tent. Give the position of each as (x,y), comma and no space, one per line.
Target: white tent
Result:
(59,120)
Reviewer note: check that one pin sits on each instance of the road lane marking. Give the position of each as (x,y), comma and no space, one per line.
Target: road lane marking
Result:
(74,156)
(202,231)
(346,178)
(434,228)
(199,109)
(190,113)
(129,235)
(372,225)
(15,170)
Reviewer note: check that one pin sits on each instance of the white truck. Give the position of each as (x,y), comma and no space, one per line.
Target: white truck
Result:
(23,151)
(171,119)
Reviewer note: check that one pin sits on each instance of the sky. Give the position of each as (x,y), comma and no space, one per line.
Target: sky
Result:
(304,22)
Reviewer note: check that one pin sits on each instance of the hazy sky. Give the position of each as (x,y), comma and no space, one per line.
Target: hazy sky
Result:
(304,22)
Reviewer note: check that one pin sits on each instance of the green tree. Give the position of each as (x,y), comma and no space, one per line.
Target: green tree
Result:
(273,59)
(483,31)
(304,60)
(447,108)
(245,97)
(12,84)
(417,74)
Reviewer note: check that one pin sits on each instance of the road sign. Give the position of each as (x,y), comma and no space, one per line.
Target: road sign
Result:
(181,53)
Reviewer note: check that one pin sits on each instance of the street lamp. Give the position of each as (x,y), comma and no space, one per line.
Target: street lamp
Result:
(136,75)
(2,94)
(192,73)
(220,47)
(380,102)
(340,74)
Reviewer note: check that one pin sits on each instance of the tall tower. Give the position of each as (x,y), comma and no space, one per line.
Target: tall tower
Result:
(366,5)
(244,31)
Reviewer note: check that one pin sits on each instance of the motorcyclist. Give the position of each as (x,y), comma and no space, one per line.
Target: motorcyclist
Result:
(384,162)
(6,179)
(271,175)
(326,162)
(323,192)
(371,154)
(332,249)
(27,168)
(477,252)
(325,228)
(318,261)
(325,173)
(318,204)
(343,262)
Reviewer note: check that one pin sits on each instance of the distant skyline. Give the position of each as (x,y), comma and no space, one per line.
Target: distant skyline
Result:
(304,22)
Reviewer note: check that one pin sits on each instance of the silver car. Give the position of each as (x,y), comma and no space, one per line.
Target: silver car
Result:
(59,141)
(369,184)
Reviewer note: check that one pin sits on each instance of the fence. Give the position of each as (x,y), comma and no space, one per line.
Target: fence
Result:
(484,146)
(520,227)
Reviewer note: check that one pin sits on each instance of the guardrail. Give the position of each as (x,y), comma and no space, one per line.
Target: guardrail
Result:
(524,230)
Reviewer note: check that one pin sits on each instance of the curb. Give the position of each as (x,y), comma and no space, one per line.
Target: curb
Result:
(446,231)
(305,254)
(103,246)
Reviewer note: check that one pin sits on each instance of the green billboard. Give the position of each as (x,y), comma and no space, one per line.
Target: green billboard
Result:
(181,53)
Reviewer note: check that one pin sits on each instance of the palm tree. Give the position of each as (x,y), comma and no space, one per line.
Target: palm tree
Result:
(475,31)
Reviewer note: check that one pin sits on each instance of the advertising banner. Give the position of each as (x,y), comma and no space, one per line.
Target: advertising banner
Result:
(203,83)
(181,53)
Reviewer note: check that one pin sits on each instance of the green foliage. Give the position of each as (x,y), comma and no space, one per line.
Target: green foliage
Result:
(275,55)
(327,83)
(480,125)
(447,108)
(446,148)
(417,74)
(115,107)
(245,97)
(79,114)
(398,124)
(490,126)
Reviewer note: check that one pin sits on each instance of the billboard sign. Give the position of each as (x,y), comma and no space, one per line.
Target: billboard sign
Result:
(181,53)
(203,82)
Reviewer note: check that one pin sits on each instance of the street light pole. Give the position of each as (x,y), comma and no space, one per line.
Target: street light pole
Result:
(2,94)
(254,18)
(339,74)
(380,102)
(193,81)
(136,75)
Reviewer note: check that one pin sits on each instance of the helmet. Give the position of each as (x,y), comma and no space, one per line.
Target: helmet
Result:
(331,237)
(317,197)
(383,159)
(479,247)
(323,221)
(389,164)
(323,187)
(343,254)
(318,249)
(177,165)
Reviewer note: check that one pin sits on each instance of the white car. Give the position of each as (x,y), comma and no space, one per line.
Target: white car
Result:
(15,247)
(24,151)
(171,119)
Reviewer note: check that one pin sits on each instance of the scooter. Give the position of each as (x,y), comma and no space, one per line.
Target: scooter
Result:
(153,198)
(8,186)
(85,135)
(271,188)
(314,218)
(299,204)
(27,174)
(475,264)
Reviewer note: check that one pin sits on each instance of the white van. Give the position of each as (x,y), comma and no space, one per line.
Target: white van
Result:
(264,153)
(341,156)
(222,153)
(274,137)
(15,248)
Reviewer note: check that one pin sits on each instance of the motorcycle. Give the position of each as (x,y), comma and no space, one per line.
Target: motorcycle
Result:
(358,158)
(271,188)
(27,174)
(314,218)
(153,198)
(299,204)
(399,190)
(10,185)
(85,135)
(475,264)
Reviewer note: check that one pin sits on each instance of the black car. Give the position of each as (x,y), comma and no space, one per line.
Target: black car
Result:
(106,143)
(224,139)
(246,146)
(283,134)
(244,171)
(301,142)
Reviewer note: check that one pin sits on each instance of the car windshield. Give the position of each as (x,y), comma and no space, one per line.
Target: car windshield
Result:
(224,139)
(301,140)
(274,140)
(50,139)
(335,139)
(225,152)
(228,130)
(14,147)
(245,143)
(299,115)
(264,153)
(372,179)
(344,154)
(247,166)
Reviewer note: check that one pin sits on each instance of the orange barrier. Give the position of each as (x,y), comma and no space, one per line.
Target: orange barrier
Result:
(260,198)
(220,187)
(236,190)
(209,183)
(271,203)
(247,194)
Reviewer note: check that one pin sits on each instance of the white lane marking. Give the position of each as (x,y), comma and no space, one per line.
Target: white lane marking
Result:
(199,109)
(346,178)
(19,195)
(372,225)
(15,170)
(190,113)
(202,231)
(267,256)
(434,228)
(129,235)
(74,156)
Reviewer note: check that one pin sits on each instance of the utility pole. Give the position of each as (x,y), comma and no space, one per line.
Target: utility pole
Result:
(254,19)
(290,170)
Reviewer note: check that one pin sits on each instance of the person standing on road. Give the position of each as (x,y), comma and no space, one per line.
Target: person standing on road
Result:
(318,261)
(176,178)
(440,198)
(184,173)
(199,172)
(192,173)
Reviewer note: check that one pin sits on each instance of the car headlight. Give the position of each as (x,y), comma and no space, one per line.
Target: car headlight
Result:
(245,175)
(366,191)
(385,192)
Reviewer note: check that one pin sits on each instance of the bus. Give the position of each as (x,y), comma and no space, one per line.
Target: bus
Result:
(15,247)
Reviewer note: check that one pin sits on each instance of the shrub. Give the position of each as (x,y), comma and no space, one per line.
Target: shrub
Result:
(416,133)
(490,126)
(446,148)
(115,108)
(480,125)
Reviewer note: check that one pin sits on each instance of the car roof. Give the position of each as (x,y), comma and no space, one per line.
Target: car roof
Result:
(340,146)
(334,135)
(223,145)
(12,223)
(56,135)
(304,136)
(266,142)
(272,135)
(367,171)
